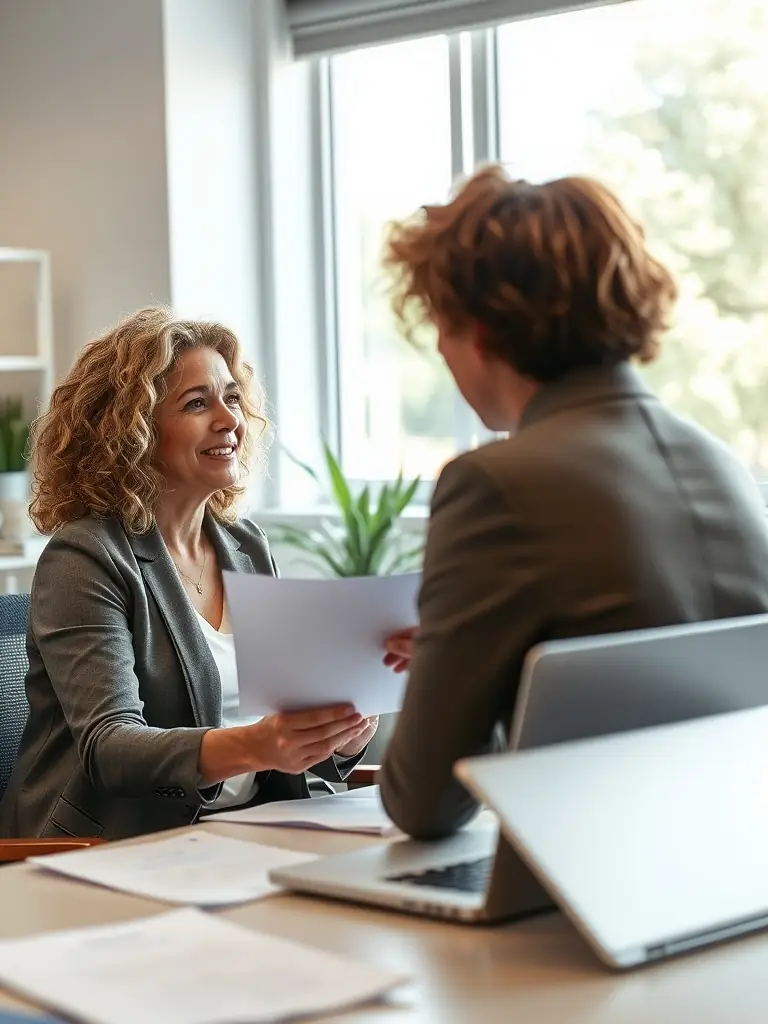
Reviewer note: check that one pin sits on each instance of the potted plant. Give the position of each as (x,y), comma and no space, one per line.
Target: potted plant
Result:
(14,475)
(365,540)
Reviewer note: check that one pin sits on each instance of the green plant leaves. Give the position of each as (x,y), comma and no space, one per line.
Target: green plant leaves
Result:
(302,465)
(322,549)
(14,436)
(340,486)
(366,540)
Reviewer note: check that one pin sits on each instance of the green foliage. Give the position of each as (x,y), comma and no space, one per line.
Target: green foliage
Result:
(14,436)
(688,149)
(366,540)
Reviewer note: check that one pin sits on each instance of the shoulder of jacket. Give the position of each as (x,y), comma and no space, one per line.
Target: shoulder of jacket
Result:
(493,461)
(91,532)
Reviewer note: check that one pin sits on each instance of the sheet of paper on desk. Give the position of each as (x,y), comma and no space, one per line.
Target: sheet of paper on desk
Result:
(359,810)
(184,967)
(304,643)
(195,868)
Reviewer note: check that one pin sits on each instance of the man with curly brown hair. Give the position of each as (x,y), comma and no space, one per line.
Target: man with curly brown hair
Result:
(603,511)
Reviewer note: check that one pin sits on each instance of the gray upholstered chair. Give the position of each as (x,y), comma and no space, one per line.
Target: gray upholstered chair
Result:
(14,609)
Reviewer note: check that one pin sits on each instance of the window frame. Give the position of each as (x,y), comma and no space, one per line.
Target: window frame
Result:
(475,139)
(474,126)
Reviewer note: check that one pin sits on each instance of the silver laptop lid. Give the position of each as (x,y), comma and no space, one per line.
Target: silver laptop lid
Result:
(573,689)
(653,842)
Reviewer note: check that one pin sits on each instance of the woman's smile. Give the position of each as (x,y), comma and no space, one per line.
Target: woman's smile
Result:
(222,452)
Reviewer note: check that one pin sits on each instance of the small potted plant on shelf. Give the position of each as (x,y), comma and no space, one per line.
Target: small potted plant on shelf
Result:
(363,538)
(14,475)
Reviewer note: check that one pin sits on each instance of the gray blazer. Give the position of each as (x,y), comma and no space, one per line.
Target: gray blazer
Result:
(122,687)
(605,512)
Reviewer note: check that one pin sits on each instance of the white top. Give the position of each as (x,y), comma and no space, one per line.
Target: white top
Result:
(240,788)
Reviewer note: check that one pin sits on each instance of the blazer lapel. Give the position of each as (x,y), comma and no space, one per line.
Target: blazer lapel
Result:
(194,654)
(228,550)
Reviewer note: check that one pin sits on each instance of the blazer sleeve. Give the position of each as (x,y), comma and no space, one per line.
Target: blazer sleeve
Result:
(79,621)
(477,612)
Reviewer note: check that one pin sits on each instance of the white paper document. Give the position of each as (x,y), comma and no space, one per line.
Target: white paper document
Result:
(359,810)
(305,643)
(184,967)
(195,868)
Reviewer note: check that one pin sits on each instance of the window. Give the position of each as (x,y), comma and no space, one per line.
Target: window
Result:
(668,104)
(391,151)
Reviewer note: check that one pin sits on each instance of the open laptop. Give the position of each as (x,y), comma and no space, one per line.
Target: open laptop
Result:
(474,877)
(570,690)
(653,842)
(593,686)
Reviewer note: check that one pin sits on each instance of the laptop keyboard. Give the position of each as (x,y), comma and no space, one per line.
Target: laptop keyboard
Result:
(466,876)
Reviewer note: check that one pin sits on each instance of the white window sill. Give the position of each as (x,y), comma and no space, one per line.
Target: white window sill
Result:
(412,520)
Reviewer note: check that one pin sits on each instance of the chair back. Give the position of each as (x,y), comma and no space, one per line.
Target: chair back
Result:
(14,710)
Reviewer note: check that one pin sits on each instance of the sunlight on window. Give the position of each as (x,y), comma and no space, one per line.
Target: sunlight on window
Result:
(391,153)
(668,104)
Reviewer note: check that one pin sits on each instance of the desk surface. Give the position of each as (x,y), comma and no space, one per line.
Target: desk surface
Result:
(539,970)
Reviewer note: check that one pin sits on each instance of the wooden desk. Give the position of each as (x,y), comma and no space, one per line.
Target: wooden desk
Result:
(538,972)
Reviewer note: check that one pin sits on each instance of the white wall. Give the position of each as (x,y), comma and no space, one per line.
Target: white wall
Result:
(157,149)
(211,124)
(82,156)
(134,145)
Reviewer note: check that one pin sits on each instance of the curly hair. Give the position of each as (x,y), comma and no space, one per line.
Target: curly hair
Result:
(558,276)
(93,449)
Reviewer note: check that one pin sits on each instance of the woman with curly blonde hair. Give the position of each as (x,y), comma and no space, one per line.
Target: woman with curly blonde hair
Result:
(603,511)
(132,683)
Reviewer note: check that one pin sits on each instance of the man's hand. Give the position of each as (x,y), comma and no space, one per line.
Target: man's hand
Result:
(294,741)
(356,744)
(399,649)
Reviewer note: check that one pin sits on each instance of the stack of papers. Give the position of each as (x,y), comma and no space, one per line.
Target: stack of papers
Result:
(359,810)
(184,967)
(196,868)
(341,625)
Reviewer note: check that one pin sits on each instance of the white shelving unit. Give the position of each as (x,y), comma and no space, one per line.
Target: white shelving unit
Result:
(39,363)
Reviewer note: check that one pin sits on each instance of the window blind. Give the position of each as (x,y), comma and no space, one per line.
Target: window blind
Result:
(328,26)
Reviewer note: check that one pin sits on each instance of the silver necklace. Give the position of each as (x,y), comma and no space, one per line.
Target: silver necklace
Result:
(199,585)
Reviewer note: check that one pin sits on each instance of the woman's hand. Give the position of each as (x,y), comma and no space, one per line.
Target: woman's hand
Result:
(365,735)
(399,649)
(293,741)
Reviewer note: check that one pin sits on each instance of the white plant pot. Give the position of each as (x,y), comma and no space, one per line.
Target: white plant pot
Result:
(15,486)
(15,523)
